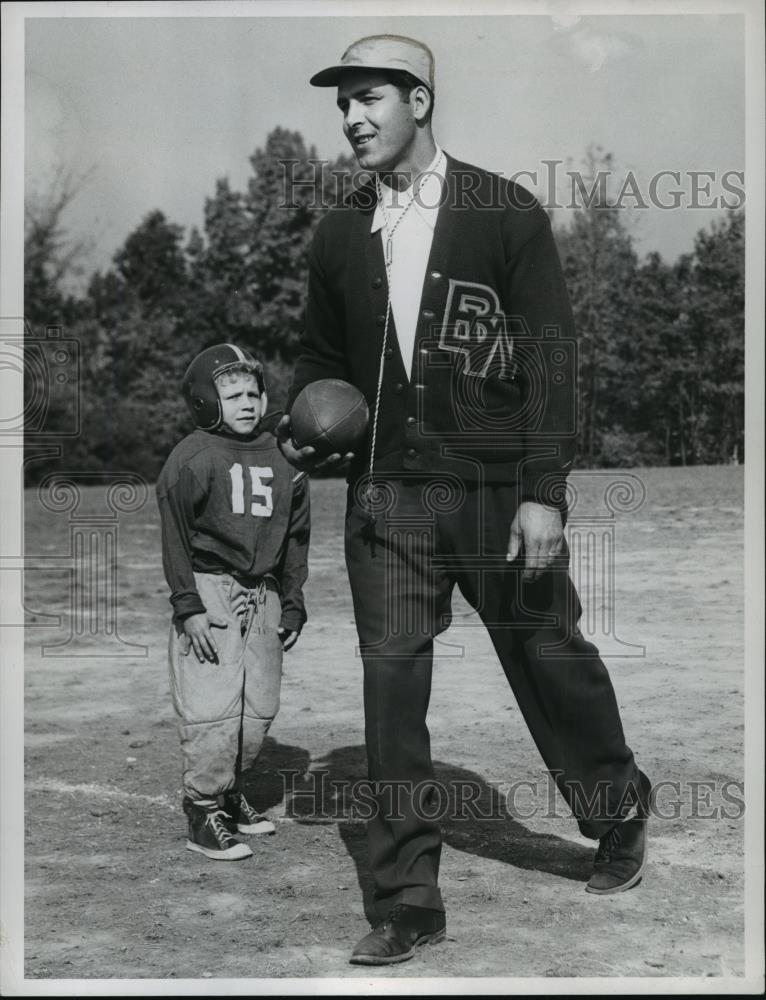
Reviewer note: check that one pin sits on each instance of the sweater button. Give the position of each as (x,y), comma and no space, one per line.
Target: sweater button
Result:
(398,388)
(436,275)
(380,319)
(412,453)
(389,353)
(427,314)
(411,421)
(377,282)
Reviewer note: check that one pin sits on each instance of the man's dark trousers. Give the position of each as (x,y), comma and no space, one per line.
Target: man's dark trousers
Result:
(429,535)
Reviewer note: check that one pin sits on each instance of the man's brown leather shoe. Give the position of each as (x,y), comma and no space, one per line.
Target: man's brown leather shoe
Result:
(396,938)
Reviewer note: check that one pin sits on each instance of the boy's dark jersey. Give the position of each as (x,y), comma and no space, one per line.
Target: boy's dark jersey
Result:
(229,505)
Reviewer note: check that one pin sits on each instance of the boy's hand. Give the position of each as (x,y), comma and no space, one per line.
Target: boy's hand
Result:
(200,638)
(304,459)
(287,637)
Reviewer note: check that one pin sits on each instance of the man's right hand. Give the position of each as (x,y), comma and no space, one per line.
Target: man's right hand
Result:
(199,637)
(305,459)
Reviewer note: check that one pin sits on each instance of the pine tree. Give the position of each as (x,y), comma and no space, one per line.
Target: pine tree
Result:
(600,266)
(714,325)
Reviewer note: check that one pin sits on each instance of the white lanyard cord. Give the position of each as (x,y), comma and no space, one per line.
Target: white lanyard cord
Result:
(387,258)
(370,488)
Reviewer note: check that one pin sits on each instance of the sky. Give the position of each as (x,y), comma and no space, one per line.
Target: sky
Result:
(155,109)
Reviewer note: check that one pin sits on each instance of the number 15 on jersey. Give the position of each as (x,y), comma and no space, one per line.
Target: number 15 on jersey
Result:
(261,504)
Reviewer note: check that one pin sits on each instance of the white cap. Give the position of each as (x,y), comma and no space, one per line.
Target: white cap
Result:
(383,52)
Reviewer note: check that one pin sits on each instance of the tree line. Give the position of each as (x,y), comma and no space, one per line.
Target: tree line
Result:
(661,345)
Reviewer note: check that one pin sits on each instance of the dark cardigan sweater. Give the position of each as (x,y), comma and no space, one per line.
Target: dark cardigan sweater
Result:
(492,394)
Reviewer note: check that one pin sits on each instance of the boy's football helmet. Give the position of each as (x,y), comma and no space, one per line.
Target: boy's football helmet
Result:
(199,388)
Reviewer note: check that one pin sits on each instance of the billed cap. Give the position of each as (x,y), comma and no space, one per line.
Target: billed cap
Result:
(383,52)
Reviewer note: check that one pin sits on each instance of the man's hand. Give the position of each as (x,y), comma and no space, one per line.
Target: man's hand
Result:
(199,637)
(287,637)
(304,459)
(538,531)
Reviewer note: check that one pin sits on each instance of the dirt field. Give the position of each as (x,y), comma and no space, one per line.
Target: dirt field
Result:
(111,891)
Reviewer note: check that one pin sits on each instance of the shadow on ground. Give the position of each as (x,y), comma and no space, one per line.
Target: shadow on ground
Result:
(475,817)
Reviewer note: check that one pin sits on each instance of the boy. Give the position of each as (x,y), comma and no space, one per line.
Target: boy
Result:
(235,534)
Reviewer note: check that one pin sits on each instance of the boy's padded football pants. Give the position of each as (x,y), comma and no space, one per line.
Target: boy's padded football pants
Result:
(225,709)
(430,538)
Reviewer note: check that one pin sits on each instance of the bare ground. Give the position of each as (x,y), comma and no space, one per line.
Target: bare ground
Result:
(112,893)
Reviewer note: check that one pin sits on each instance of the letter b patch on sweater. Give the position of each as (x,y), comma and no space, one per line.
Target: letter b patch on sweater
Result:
(475,327)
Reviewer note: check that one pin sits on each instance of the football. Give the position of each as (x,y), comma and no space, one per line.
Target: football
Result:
(330,415)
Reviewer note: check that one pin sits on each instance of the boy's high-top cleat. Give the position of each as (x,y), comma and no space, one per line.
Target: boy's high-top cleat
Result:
(621,856)
(243,817)
(208,832)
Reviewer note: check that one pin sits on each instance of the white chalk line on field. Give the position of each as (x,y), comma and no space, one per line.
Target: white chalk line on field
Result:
(55,786)
(99,791)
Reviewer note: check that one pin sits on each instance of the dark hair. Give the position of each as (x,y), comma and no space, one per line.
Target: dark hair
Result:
(405,82)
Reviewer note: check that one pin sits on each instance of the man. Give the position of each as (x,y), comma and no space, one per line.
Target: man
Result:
(437,290)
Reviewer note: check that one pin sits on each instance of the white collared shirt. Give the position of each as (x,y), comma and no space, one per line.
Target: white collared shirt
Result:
(411,246)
